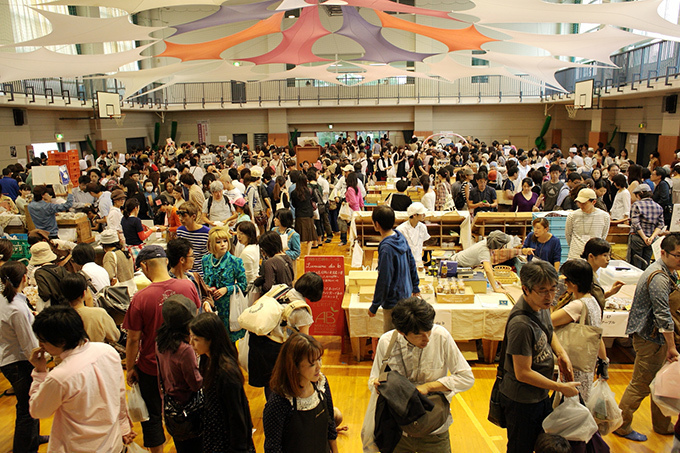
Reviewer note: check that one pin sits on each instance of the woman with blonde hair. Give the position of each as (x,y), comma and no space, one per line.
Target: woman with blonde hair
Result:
(223,272)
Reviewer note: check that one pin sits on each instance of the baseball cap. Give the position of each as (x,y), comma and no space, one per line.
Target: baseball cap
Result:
(256,172)
(416,208)
(150,252)
(642,188)
(571,166)
(240,202)
(586,195)
(348,167)
(573,149)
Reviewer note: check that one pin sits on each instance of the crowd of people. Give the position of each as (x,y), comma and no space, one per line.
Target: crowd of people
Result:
(238,220)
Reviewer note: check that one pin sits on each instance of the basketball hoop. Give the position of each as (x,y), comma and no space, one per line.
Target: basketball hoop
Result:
(119,119)
(571,110)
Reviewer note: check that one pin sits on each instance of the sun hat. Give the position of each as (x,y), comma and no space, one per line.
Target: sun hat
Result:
(41,253)
(256,172)
(240,202)
(348,167)
(117,194)
(109,237)
(586,195)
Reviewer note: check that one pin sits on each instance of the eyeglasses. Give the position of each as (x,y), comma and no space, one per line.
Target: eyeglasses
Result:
(677,257)
(547,292)
(182,212)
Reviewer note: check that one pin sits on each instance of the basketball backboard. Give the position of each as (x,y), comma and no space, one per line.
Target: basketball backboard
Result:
(108,104)
(583,94)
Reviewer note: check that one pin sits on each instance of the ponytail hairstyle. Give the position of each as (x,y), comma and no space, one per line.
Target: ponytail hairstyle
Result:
(130,205)
(444,174)
(11,275)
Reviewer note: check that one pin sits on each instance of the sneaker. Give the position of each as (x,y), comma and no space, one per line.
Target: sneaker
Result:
(328,241)
(342,244)
(633,435)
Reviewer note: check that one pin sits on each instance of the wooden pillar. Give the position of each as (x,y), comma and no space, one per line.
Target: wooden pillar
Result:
(667,146)
(101,145)
(595,137)
(556,138)
(279,140)
(423,134)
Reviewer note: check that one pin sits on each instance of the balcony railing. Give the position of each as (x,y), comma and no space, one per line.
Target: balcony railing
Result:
(642,65)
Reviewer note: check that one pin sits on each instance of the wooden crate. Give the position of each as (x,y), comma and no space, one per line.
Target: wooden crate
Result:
(82,227)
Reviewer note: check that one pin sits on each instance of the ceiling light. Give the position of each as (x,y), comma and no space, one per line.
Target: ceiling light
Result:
(330,126)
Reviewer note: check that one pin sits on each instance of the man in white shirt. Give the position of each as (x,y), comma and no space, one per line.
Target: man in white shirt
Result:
(585,223)
(216,208)
(575,158)
(424,353)
(278,165)
(523,168)
(415,231)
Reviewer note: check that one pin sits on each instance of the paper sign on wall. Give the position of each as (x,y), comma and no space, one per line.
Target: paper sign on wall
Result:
(675,219)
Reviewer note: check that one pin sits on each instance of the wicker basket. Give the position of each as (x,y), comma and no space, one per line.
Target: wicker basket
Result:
(504,275)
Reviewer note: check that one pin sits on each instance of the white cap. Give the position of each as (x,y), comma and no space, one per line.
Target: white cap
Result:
(416,208)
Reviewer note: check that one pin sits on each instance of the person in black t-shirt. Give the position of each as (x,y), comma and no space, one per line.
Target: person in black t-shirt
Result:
(482,197)
(400,201)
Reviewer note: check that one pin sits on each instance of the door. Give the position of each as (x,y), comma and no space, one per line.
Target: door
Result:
(240,139)
(647,143)
(132,144)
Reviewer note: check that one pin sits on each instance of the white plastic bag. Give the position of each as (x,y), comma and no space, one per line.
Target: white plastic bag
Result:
(237,304)
(602,404)
(243,347)
(670,407)
(571,420)
(136,406)
(357,255)
(134,448)
(345,212)
(368,427)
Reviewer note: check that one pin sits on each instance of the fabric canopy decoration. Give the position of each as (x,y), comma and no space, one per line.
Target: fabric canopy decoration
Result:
(372,73)
(67,29)
(369,36)
(464,39)
(287,5)
(318,72)
(387,5)
(229,14)
(211,50)
(135,6)
(43,63)
(296,46)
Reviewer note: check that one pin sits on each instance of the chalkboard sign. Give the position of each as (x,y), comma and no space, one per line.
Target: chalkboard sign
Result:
(329,318)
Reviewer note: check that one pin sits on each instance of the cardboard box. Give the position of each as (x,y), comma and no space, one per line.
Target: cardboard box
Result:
(366,293)
(362,278)
(477,283)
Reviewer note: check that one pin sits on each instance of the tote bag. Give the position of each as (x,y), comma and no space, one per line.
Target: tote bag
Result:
(581,342)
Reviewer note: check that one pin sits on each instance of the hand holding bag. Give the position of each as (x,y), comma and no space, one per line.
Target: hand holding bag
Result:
(602,404)
(136,406)
(345,212)
(581,342)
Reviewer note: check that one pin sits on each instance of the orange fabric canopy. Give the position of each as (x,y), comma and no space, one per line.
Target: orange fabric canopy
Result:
(463,39)
(211,50)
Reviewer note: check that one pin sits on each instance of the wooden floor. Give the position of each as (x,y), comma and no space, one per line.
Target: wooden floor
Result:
(470,432)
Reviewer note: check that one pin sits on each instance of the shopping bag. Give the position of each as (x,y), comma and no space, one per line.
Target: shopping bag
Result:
(136,406)
(571,420)
(602,404)
(243,348)
(670,407)
(237,305)
(581,341)
(134,448)
(345,212)
(357,255)
(668,380)
(368,428)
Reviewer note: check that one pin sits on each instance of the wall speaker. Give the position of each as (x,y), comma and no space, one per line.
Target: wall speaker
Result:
(18,117)
(671,103)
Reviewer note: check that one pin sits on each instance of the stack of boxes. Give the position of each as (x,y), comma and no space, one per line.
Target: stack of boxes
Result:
(70,158)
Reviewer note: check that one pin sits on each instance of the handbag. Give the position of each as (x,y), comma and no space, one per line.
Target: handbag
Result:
(496,412)
(449,205)
(434,417)
(183,421)
(238,302)
(581,342)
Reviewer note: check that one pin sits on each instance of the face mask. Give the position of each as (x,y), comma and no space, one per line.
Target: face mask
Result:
(148,188)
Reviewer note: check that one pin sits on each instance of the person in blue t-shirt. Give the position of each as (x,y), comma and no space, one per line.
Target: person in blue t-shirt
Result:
(542,244)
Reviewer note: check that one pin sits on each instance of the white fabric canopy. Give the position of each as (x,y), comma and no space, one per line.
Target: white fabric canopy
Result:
(638,15)
(377,72)
(46,63)
(68,29)
(135,6)
(287,5)
(136,80)
(598,45)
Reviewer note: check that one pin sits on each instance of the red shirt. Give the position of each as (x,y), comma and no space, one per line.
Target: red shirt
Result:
(145,315)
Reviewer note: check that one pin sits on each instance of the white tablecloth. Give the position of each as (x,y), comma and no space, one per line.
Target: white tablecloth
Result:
(484,319)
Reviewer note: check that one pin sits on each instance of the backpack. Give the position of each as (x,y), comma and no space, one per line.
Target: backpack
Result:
(459,200)
(269,311)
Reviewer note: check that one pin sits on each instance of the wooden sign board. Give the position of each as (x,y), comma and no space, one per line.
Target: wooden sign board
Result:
(329,318)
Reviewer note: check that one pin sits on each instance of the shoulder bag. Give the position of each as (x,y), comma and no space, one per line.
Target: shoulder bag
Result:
(183,421)
(496,413)
(581,341)
(434,417)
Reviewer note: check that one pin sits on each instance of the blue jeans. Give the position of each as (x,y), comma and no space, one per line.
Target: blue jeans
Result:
(26,429)
(333,218)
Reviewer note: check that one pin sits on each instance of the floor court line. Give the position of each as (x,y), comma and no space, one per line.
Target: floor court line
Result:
(488,439)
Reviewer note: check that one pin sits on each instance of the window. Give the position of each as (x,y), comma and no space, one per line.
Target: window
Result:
(479,62)
(118,46)
(28,24)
